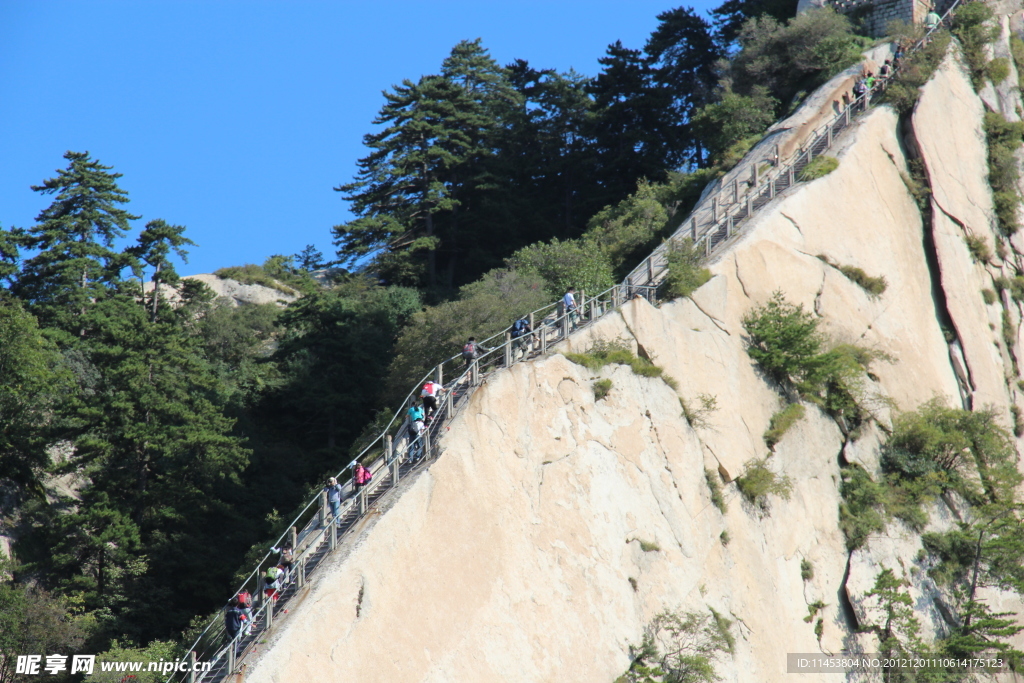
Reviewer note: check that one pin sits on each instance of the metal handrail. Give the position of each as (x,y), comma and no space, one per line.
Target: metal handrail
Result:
(642,281)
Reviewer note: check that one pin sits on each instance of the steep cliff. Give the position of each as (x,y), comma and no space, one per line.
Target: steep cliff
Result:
(554,527)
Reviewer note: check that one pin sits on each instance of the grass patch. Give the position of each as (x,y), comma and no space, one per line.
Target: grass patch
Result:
(874,286)
(998,70)
(685,270)
(648,546)
(724,537)
(978,247)
(601,388)
(715,487)
(604,352)
(813,609)
(819,168)
(806,570)
(758,482)
(1018,421)
(989,296)
(698,416)
(781,422)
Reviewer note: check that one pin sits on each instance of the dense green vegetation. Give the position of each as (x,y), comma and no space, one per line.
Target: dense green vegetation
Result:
(153,442)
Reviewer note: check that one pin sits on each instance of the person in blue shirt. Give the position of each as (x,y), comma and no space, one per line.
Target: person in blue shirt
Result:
(569,303)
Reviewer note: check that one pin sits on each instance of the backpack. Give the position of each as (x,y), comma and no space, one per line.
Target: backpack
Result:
(272,573)
(469,350)
(244,599)
(519,327)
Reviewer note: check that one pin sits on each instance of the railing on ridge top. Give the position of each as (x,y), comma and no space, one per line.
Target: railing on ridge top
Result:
(714,220)
(392,456)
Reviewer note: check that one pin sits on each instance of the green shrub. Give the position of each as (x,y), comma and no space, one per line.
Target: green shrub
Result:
(969,26)
(251,274)
(680,647)
(601,388)
(649,546)
(758,482)
(862,511)
(724,537)
(698,417)
(1017,52)
(806,570)
(783,338)
(685,270)
(819,167)
(578,263)
(626,232)
(796,56)
(916,70)
(978,247)
(1004,139)
(715,487)
(781,422)
(785,341)
(1018,421)
(734,119)
(989,296)
(813,609)
(998,70)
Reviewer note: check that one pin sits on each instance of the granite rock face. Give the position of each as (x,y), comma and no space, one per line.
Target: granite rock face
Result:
(554,527)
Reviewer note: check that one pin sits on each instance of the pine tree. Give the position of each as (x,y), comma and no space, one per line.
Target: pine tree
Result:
(10,244)
(631,131)
(684,51)
(153,248)
(76,264)
(34,384)
(402,183)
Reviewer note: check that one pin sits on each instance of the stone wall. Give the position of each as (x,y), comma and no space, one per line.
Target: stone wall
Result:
(876,14)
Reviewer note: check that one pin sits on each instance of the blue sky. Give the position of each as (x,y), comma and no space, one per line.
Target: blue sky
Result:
(236,119)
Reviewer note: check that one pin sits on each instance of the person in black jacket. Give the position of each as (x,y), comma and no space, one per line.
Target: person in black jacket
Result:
(233,622)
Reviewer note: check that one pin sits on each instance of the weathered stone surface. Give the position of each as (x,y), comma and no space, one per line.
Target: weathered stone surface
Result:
(510,559)
(234,292)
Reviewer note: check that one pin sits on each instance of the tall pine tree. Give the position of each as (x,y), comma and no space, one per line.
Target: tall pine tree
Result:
(76,264)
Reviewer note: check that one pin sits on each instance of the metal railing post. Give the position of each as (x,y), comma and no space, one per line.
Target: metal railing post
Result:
(707,247)
(332,538)
(830,135)
(728,227)
(544,339)
(750,205)
(791,174)
(754,172)
(192,666)
(810,150)
(300,573)
(735,190)
(293,538)
(693,229)
(507,348)
(426,444)
(439,375)
(231,654)
(362,500)
(323,508)
(474,373)
(771,189)
(389,449)
(593,310)
(269,611)
(846,114)
(450,398)
(714,210)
